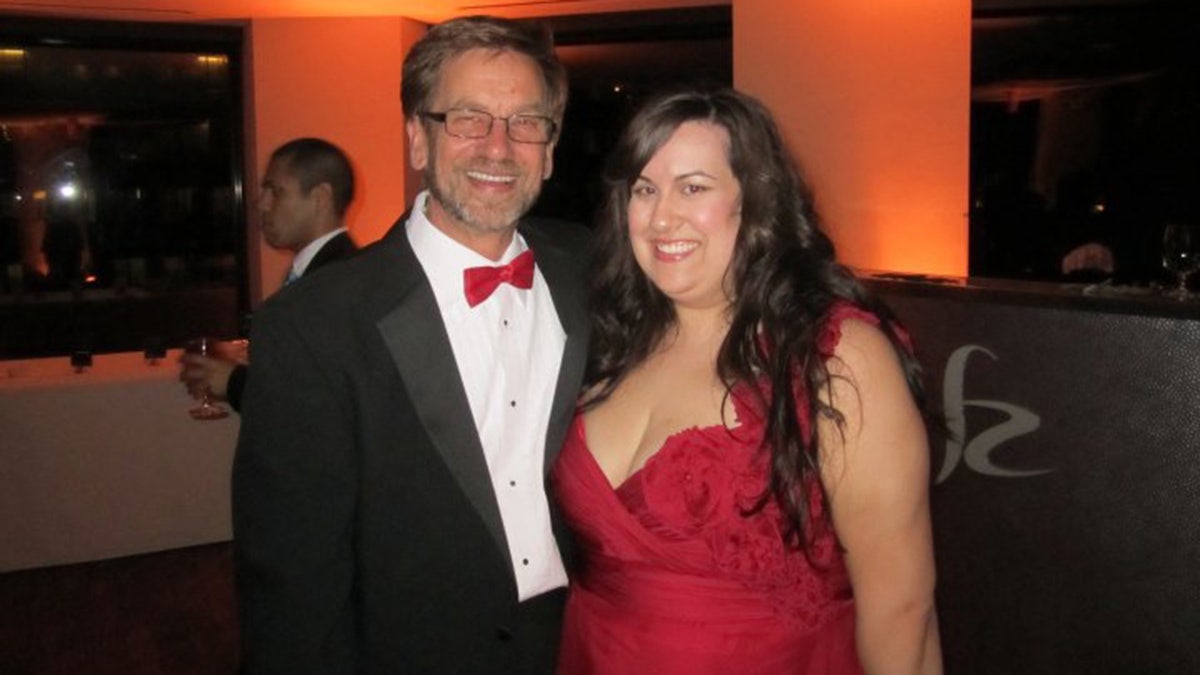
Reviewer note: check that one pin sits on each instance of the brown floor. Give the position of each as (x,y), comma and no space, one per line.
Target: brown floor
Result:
(169,613)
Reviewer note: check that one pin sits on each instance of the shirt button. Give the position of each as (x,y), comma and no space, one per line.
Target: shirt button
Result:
(524,561)
(512,403)
(512,483)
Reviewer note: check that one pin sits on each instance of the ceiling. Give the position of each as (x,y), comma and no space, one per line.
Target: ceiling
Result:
(423,10)
(1059,40)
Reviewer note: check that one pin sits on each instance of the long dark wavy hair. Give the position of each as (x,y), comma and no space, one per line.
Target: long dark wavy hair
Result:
(783,279)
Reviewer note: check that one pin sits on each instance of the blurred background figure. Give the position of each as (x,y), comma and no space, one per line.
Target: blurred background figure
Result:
(307,187)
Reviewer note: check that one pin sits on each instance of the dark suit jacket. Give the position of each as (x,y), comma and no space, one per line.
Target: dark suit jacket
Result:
(367,535)
(341,246)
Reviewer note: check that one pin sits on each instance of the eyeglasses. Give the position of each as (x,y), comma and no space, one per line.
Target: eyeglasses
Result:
(521,128)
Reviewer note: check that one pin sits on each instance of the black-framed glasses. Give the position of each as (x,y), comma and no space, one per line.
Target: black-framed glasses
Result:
(521,128)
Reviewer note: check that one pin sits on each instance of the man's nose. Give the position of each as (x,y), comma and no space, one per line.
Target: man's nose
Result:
(497,143)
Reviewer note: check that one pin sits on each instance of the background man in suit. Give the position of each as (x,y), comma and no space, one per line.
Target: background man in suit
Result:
(390,510)
(307,188)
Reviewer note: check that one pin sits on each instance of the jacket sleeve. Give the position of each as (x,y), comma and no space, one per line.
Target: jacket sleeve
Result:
(294,489)
(235,387)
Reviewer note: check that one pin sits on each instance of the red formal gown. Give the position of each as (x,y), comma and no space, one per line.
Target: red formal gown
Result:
(675,578)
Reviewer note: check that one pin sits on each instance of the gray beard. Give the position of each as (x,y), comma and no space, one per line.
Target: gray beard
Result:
(491,222)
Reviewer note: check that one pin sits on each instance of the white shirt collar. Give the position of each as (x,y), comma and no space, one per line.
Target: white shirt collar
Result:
(302,259)
(444,259)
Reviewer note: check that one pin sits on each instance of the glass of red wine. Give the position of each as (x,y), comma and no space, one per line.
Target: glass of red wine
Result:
(208,409)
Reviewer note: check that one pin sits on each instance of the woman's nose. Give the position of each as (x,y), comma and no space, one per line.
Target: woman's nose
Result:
(661,217)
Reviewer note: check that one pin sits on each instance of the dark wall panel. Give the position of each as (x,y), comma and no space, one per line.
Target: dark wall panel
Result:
(1067,512)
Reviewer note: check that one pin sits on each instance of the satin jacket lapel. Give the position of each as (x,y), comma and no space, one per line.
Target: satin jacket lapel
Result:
(420,348)
(563,275)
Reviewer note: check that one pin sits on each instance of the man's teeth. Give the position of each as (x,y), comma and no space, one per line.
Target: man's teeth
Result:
(490,177)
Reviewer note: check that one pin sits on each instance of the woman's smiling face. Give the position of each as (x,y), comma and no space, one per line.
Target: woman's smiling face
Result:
(684,215)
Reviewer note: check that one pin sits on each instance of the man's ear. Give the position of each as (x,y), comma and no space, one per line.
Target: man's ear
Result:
(549,164)
(323,193)
(418,144)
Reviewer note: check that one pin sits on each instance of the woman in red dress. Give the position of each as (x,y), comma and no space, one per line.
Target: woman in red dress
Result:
(748,477)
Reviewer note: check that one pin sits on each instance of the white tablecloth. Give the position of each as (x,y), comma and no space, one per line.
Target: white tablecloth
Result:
(106,463)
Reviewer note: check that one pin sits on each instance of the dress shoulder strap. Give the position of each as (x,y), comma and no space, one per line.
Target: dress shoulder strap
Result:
(831,326)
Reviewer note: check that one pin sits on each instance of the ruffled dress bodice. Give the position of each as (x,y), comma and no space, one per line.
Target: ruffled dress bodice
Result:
(682,574)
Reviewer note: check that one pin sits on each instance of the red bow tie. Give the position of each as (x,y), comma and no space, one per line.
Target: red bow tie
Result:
(479,282)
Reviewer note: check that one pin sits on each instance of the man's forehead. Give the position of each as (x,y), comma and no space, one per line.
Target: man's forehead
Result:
(501,71)
(279,170)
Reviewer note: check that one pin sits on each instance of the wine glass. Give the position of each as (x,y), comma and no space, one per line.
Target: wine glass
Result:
(1181,254)
(207,410)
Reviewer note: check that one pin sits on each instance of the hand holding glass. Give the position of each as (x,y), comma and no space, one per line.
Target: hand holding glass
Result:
(207,410)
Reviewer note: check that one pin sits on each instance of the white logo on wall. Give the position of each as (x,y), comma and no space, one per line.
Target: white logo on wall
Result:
(976,451)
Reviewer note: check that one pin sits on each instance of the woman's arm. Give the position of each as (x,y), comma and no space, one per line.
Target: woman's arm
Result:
(876,471)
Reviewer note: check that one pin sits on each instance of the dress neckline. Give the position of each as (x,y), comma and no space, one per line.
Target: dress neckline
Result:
(670,443)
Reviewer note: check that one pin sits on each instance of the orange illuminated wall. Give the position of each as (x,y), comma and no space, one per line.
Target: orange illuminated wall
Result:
(873,96)
(338,79)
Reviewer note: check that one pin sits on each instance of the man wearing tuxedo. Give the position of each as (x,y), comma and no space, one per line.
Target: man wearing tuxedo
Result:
(389,497)
(306,190)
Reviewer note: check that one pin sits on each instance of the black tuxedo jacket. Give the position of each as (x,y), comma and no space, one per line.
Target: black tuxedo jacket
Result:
(367,535)
(338,247)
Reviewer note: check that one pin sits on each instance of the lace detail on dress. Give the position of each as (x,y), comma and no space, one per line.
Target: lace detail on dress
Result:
(831,334)
(704,484)
(686,488)
(681,575)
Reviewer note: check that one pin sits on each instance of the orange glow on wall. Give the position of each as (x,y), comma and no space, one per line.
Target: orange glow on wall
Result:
(874,98)
(337,79)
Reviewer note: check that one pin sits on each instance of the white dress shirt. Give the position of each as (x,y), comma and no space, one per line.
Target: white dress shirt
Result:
(508,349)
(305,255)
